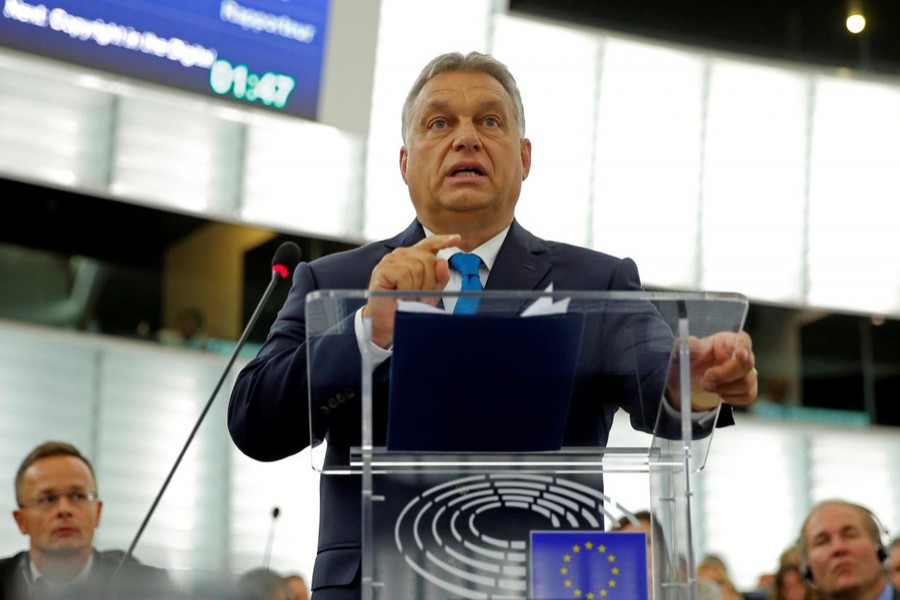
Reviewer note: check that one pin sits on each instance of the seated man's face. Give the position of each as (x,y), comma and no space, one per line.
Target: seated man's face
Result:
(841,552)
(56,523)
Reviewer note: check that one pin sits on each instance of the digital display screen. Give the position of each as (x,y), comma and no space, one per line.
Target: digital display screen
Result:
(267,53)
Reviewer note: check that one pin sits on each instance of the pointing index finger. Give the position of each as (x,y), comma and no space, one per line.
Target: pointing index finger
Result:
(438,242)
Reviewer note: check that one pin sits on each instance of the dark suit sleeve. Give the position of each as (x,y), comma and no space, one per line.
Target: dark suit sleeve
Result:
(269,414)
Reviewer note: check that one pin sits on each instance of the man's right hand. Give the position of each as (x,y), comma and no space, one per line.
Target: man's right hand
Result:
(416,268)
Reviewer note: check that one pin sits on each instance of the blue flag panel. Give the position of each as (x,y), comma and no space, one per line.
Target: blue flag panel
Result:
(588,565)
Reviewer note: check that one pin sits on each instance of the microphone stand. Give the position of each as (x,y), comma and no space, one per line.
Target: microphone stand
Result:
(268,555)
(277,275)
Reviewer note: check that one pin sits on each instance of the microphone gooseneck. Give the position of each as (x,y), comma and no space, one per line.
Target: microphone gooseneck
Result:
(285,259)
(268,555)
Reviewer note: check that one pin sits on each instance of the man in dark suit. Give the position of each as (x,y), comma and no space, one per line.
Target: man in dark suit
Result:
(464,158)
(843,547)
(59,509)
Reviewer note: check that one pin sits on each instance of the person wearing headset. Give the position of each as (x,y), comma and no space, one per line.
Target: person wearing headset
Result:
(842,547)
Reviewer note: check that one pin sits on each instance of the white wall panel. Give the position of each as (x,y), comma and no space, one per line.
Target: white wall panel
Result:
(754,185)
(647,170)
(556,197)
(854,193)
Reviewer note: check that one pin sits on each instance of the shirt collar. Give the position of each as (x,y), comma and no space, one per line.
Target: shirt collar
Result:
(488,251)
(82,576)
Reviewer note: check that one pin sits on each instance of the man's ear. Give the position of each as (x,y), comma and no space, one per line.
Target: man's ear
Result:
(97,516)
(525,151)
(404,157)
(20,521)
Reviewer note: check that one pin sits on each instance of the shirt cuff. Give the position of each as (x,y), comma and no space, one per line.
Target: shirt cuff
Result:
(378,354)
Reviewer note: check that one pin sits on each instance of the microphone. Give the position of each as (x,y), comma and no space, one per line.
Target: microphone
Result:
(275,513)
(286,257)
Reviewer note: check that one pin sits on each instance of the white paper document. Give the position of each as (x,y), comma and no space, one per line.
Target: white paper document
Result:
(541,306)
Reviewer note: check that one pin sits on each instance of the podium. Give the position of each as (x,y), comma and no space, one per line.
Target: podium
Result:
(451,512)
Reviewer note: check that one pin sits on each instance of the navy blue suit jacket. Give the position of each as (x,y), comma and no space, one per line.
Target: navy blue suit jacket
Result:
(268,414)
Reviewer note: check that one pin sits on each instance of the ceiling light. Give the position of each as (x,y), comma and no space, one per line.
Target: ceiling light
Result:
(856,22)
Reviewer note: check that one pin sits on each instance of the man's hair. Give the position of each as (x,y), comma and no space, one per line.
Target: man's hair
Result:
(870,522)
(625,521)
(47,450)
(455,62)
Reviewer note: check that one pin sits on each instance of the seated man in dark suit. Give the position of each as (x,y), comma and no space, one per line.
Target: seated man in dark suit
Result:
(464,158)
(59,509)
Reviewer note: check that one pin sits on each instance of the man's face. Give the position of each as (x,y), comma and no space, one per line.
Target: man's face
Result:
(894,566)
(840,550)
(464,161)
(61,527)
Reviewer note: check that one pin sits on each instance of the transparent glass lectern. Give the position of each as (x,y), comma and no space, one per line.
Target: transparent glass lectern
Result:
(479,437)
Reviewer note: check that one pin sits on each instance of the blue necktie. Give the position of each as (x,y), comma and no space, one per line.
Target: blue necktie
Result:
(467,266)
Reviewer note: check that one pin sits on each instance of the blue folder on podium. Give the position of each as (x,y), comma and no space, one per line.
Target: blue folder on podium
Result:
(481,383)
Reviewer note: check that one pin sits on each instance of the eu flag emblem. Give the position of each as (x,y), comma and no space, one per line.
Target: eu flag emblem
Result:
(588,565)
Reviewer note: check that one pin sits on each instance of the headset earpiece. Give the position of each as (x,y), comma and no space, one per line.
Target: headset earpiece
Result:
(806,573)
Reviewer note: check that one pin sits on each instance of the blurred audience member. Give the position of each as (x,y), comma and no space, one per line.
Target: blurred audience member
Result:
(188,331)
(841,546)
(893,564)
(713,568)
(263,584)
(59,509)
(791,585)
(297,584)
(791,556)
(625,523)
(708,590)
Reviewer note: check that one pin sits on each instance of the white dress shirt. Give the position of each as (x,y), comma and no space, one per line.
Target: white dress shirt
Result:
(488,252)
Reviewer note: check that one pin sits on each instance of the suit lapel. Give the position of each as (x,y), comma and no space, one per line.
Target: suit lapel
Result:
(408,237)
(521,264)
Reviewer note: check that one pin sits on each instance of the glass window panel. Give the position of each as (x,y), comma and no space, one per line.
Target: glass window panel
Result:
(555,199)
(176,154)
(854,215)
(751,490)
(292,486)
(302,175)
(150,399)
(648,159)
(53,130)
(631,490)
(861,468)
(754,181)
(410,33)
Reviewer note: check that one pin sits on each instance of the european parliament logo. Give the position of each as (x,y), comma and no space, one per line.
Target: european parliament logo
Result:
(588,565)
